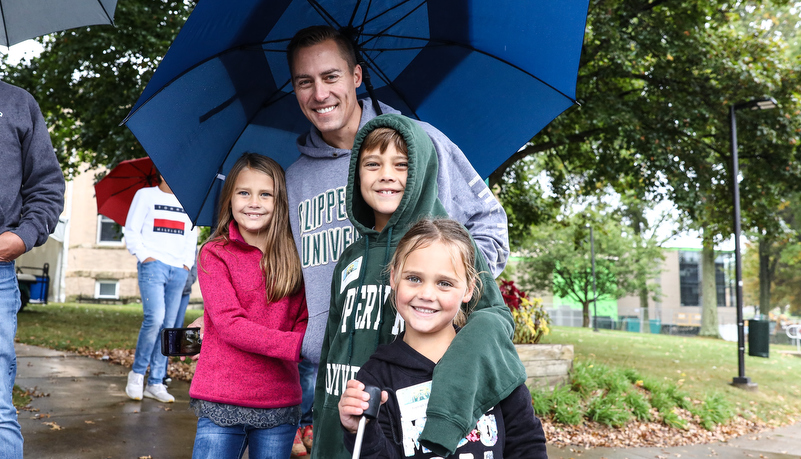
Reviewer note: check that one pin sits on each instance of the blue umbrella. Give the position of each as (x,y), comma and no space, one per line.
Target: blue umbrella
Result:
(488,74)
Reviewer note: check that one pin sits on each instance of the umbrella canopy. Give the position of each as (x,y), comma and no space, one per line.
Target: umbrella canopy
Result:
(24,19)
(488,74)
(115,191)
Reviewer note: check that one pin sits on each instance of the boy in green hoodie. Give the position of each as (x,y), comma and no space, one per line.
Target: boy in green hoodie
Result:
(391,185)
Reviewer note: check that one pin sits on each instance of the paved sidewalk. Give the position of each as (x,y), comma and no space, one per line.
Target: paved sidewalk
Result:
(88,415)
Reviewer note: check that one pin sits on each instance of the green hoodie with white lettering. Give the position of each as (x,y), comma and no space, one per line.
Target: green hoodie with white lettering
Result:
(471,377)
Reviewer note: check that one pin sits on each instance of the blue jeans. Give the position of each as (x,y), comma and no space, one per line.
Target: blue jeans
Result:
(215,442)
(161,286)
(10,434)
(308,379)
(180,317)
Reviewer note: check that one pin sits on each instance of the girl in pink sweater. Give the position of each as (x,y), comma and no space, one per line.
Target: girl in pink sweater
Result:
(246,391)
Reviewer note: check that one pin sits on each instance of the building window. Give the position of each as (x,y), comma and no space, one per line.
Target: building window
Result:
(109,289)
(109,232)
(690,278)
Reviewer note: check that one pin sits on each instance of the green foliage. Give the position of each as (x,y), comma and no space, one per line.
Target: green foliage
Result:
(559,257)
(531,319)
(681,398)
(714,410)
(662,401)
(540,400)
(639,405)
(671,419)
(87,79)
(566,406)
(583,380)
(610,410)
(614,396)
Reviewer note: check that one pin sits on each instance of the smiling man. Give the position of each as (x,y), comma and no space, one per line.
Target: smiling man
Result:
(325,77)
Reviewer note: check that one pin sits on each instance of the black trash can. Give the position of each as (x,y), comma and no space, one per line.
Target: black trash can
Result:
(759,338)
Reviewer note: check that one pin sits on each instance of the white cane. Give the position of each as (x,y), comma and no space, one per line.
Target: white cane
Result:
(371,412)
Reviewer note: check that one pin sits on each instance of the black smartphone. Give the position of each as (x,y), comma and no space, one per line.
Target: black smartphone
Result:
(180,341)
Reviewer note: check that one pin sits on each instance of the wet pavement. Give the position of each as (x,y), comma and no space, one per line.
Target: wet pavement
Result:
(88,415)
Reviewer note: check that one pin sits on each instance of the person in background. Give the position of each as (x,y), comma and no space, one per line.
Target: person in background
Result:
(31,199)
(161,236)
(245,391)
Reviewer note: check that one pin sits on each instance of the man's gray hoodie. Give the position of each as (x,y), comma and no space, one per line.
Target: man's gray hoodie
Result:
(316,185)
(31,182)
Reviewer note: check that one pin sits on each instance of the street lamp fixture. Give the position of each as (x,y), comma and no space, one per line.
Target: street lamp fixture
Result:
(594,294)
(741,380)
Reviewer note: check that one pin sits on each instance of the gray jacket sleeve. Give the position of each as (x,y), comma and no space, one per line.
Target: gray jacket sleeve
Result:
(468,200)
(42,183)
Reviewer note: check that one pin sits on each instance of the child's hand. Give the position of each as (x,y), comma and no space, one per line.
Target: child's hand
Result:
(353,403)
(197,323)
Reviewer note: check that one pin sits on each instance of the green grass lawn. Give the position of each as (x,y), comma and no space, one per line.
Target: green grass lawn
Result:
(71,326)
(700,366)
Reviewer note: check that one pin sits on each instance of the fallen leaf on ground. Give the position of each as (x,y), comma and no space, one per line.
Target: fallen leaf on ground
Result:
(53,426)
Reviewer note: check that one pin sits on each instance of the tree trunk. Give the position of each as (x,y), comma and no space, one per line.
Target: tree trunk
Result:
(586,319)
(764,276)
(709,300)
(646,322)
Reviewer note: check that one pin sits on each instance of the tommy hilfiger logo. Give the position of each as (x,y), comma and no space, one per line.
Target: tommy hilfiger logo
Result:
(170,208)
(162,225)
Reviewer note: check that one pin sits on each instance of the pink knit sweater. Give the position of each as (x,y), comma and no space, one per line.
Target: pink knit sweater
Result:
(251,348)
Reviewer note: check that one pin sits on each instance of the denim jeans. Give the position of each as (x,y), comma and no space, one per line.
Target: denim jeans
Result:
(308,379)
(10,434)
(215,442)
(181,315)
(161,286)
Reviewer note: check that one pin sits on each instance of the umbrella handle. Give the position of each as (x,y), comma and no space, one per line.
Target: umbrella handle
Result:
(371,412)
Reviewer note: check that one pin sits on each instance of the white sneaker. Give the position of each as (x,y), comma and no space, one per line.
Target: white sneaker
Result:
(159,392)
(134,387)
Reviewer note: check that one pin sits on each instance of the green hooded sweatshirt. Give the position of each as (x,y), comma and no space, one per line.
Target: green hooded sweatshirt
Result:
(481,366)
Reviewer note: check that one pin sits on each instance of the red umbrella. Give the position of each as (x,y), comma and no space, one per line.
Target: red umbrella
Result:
(116,190)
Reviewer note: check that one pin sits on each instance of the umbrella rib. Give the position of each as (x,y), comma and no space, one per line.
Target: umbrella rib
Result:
(5,27)
(389,84)
(470,48)
(355,9)
(110,19)
(398,21)
(322,12)
(388,10)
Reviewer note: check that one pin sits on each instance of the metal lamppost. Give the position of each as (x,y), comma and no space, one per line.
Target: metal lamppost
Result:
(758,104)
(594,295)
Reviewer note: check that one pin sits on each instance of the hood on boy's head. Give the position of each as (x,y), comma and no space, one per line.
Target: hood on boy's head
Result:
(420,195)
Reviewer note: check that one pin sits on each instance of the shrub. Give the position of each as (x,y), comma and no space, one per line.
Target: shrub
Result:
(714,410)
(583,379)
(662,401)
(540,400)
(609,410)
(671,419)
(566,406)
(531,320)
(639,406)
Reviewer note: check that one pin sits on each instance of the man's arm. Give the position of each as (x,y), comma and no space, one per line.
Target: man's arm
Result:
(42,188)
(468,200)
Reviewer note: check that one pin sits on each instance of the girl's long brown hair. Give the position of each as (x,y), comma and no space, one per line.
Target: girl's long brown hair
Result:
(280,262)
